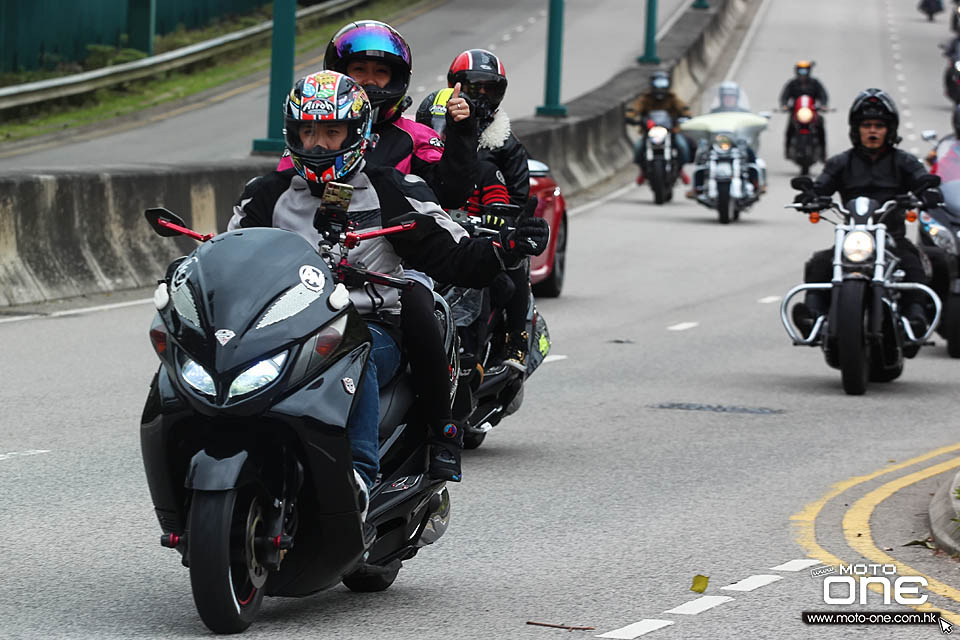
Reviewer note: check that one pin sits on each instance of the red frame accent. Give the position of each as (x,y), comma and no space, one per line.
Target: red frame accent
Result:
(353,239)
(187,232)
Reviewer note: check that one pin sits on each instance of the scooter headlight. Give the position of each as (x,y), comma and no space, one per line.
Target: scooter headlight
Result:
(858,246)
(257,376)
(657,135)
(956,65)
(805,115)
(198,378)
(942,237)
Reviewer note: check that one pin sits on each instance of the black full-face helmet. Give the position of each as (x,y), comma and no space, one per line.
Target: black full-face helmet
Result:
(482,78)
(660,84)
(378,41)
(873,104)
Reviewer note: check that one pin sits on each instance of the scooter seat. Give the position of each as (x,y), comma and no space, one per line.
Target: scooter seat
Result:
(395,400)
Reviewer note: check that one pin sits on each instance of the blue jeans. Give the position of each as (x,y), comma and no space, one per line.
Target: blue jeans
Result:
(363,426)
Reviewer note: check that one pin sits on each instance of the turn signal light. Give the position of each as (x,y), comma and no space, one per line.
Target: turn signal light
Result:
(911,216)
(814,217)
(159,339)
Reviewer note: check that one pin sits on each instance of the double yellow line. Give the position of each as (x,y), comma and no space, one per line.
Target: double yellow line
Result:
(856,522)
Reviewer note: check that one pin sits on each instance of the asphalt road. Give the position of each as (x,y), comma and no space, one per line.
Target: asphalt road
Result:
(596,504)
(601,37)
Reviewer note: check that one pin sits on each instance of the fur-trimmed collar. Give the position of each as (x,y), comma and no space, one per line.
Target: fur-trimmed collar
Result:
(497,132)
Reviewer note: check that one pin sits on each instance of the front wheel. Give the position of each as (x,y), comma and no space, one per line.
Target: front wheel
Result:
(952,317)
(851,337)
(226,578)
(725,204)
(658,181)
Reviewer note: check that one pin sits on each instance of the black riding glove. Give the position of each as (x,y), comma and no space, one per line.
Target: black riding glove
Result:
(528,238)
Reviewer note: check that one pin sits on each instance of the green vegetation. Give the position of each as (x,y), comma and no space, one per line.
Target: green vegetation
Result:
(135,96)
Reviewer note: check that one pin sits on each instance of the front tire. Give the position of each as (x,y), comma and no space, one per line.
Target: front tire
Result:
(226,578)
(851,337)
(725,203)
(658,181)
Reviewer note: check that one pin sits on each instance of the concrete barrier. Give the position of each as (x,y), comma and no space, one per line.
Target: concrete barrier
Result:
(76,233)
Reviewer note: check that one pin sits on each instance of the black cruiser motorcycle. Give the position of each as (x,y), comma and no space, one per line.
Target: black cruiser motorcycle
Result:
(244,430)
(864,334)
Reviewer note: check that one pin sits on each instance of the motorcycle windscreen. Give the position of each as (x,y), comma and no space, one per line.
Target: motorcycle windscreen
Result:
(743,125)
(948,168)
(254,292)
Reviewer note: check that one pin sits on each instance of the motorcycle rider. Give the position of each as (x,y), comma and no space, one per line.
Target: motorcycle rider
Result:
(375,55)
(510,291)
(803,84)
(660,97)
(874,168)
(483,79)
(328,120)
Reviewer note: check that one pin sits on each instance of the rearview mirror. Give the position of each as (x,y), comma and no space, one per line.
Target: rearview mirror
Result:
(928,135)
(929,181)
(802,183)
(156,214)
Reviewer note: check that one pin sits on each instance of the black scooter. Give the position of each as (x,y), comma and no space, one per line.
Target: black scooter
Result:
(244,430)
(488,390)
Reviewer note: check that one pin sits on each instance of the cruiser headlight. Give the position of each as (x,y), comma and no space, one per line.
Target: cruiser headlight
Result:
(723,142)
(956,65)
(657,135)
(257,376)
(857,246)
(198,378)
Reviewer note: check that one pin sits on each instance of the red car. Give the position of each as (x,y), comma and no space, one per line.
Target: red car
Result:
(547,269)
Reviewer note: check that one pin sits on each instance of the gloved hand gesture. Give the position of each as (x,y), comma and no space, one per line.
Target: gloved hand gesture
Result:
(529,238)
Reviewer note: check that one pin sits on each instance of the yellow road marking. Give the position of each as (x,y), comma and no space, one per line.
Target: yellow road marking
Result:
(856,529)
(805,521)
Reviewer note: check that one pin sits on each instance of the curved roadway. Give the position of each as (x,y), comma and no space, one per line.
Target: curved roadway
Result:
(592,506)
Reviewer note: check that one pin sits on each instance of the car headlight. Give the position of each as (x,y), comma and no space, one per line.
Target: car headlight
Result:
(657,135)
(805,114)
(723,171)
(257,376)
(198,378)
(857,246)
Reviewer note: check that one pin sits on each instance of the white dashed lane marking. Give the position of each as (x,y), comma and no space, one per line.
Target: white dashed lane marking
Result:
(29,452)
(769,300)
(682,326)
(699,605)
(796,565)
(751,583)
(637,629)
(554,358)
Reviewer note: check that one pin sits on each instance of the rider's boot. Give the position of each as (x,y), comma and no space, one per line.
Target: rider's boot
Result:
(446,442)
(684,177)
(640,178)
(517,350)
(917,317)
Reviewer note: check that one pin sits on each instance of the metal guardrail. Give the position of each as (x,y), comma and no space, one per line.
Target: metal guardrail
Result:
(34,92)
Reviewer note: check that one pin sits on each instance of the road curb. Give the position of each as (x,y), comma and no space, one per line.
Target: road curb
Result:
(943,512)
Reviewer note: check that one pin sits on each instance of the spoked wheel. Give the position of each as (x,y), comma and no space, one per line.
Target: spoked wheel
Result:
(725,204)
(225,575)
(851,337)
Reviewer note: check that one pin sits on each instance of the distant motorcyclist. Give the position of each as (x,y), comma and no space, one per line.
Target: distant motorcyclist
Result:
(803,84)
(660,97)
(876,169)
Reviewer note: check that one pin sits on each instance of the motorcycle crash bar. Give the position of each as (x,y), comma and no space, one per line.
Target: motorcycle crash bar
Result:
(784,318)
(937,305)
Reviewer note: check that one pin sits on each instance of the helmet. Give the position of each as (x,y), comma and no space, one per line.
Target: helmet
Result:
(374,40)
(327,96)
(803,68)
(956,121)
(729,97)
(433,110)
(873,104)
(660,84)
(476,70)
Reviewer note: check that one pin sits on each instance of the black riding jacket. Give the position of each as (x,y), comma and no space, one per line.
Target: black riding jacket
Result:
(499,146)
(854,173)
(803,87)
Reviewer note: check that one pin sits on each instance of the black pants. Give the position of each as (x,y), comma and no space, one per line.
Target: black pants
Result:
(423,346)
(516,307)
(819,268)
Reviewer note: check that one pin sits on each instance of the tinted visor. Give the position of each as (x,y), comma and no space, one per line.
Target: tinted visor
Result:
(481,84)
(661,83)
(373,40)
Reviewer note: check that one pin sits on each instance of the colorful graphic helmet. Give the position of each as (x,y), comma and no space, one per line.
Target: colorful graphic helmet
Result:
(433,110)
(327,96)
(482,78)
(803,68)
(374,40)
(873,104)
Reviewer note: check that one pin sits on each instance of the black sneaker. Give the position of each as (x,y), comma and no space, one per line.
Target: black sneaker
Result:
(517,351)
(445,453)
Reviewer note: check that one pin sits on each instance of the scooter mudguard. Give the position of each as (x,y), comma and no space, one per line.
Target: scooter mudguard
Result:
(207,472)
